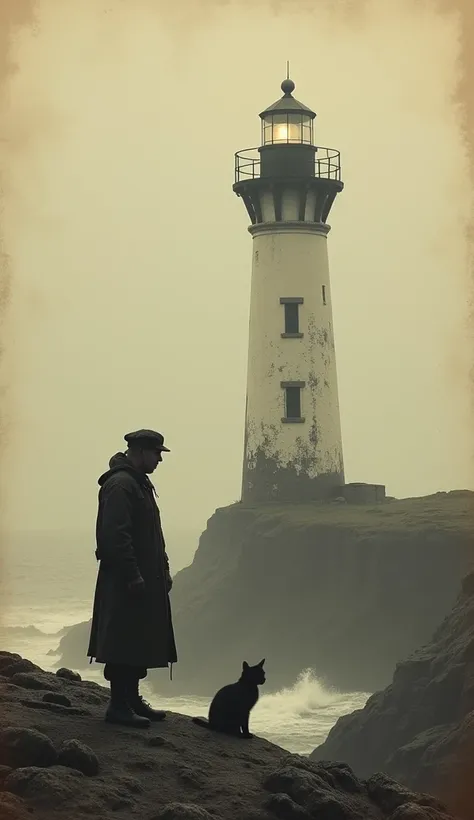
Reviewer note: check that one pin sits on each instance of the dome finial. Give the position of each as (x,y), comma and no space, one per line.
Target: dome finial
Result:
(288,85)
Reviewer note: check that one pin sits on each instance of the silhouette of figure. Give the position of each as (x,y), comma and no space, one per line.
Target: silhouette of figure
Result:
(230,708)
(131,628)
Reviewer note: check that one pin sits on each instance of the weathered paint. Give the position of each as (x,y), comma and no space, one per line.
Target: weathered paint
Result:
(301,461)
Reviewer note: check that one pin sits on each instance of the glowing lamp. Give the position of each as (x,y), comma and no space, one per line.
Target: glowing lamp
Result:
(290,128)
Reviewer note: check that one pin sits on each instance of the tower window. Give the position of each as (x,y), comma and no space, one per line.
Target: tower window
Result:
(292,394)
(292,318)
(324,294)
(291,307)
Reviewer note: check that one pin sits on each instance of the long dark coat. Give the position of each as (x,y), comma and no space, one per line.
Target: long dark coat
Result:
(126,629)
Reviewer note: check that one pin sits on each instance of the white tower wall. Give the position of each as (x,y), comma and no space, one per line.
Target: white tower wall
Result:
(291,459)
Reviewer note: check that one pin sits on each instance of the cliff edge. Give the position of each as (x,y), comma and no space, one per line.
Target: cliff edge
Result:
(421,728)
(58,759)
(346,590)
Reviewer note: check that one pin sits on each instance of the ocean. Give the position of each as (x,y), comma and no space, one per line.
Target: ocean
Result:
(45,587)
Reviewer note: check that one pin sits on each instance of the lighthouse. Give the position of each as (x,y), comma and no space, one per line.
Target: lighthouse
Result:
(293,444)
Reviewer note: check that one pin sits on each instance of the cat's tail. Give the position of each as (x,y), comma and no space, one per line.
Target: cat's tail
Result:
(201,722)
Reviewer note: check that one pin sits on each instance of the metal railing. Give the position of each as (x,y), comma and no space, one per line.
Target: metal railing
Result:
(326,164)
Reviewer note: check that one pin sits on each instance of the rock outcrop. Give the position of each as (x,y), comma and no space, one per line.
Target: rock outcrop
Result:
(70,764)
(420,729)
(343,589)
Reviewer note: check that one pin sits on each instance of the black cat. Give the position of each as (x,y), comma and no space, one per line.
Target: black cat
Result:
(230,709)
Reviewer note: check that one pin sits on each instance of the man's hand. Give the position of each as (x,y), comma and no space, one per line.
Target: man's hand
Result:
(137,587)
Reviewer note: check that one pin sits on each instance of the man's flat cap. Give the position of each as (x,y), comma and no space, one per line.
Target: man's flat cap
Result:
(147,439)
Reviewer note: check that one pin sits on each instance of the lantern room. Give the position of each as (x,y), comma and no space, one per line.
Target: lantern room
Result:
(287,121)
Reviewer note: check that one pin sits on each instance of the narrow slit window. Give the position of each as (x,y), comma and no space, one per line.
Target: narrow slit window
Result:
(292,317)
(292,397)
(324,295)
(293,402)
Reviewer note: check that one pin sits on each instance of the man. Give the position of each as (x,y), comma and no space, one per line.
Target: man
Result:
(131,629)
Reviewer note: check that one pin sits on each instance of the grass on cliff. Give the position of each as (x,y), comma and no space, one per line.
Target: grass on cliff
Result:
(444,511)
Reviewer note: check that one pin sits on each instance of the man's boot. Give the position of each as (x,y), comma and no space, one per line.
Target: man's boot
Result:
(140,707)
(119,710)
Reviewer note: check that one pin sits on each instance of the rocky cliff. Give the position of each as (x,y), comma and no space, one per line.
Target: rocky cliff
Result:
(58,759)
(346,590)
(421,728)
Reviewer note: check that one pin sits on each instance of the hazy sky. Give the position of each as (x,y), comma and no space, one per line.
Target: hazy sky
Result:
(131,258)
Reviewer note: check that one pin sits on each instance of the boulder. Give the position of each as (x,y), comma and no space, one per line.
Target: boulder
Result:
(11,665)
(68,674)
(76,755)
(25,747)
(51,787)
(38,680)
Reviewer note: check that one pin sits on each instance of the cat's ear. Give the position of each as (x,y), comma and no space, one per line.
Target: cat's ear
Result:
(261,662)
(245,665)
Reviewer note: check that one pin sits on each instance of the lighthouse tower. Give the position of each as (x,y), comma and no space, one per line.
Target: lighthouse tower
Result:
(293,446)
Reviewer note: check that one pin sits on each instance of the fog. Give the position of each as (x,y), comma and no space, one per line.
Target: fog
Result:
(130,257)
